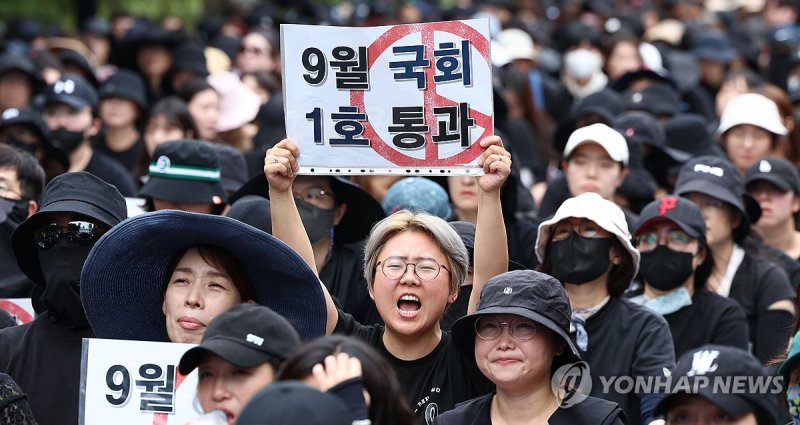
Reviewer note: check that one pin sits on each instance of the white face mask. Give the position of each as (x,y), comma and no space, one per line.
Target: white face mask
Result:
(793,83)
(582,63)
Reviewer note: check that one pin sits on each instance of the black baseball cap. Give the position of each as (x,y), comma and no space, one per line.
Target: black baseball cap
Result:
(534,295)
(641,128)
(716,177)
(659,99)
(293,402)
(185,171)
(73,91)
(676,209)
(705,371)
(245,335)
(777,171)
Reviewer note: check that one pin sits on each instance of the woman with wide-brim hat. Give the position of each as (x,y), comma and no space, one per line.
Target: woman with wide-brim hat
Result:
(519,338)
(163,276)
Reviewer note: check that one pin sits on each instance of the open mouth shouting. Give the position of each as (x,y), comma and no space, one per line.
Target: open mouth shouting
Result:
(409,305)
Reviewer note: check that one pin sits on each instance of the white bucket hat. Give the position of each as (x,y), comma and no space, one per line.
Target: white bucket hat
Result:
(611,140)
(516,44)
(753,109)
(590,206)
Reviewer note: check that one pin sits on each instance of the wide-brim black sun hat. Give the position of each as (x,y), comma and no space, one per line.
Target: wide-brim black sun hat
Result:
(123,278)
(362,209)
(526,293)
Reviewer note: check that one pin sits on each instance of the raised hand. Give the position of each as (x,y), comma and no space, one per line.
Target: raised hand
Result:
(281,166)
(496,163)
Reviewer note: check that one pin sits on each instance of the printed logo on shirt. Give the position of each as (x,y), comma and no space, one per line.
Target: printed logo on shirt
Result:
(703,362)
(572,383)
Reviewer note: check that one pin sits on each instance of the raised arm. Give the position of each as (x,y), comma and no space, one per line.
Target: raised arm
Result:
(491,246)
(281,167)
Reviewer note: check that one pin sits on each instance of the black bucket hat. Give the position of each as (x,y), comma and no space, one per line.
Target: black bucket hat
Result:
(245,335)
(123,278)
(688,137)
(185,171)
(190,57)
(253,210)
(716,177)
(76,192)
(127,85)
(69,56)
(362,209)
(605,104)
(527,293)
(294,402)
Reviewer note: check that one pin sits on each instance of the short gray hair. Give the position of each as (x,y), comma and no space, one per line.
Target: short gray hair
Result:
(439,230)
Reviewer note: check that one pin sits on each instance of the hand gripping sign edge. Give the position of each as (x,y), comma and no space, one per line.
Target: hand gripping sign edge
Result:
(431,97)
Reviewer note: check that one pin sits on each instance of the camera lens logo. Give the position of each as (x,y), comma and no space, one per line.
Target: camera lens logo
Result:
(572,383)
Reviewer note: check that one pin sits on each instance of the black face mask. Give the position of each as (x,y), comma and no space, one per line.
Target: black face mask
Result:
(665,269)
(318,222)
(66,140)
(578,260)
(61,267)
(13,212)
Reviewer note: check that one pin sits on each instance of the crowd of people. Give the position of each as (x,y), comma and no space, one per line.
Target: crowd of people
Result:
(636,219)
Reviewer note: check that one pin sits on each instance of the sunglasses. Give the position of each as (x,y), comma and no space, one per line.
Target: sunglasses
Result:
(82,233)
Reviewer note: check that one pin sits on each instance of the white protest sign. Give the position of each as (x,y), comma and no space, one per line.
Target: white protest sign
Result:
(20,309)
(135,382)
(402,99)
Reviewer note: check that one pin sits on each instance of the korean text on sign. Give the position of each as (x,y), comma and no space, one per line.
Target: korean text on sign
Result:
(405,99)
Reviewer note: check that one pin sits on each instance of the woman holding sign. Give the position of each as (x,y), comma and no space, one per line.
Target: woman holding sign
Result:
(411,300)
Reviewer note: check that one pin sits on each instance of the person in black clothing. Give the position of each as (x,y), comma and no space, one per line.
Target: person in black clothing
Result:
(676,261)
(123,106)
(14,408)
(70,109)
(337,215)
(587,246)
(740,271)
(698,396)
(21,184)
(25,129)
(523,359)
(51,247)
(411,301)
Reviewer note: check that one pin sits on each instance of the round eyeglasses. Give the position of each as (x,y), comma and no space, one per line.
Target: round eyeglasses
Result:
(424,269)
(489,328)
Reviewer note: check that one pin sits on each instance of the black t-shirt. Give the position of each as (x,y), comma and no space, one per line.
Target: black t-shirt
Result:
(44,358)
(128,158)
(13,283)
(112,173)
(343,275)
(757,284)
(626,340)
(592,411)
(434,383)
(710,319)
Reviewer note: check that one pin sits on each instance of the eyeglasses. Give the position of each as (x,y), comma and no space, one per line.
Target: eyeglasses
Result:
(5,192)
(586,228)
(76,232)
(489,328)
(676,240)
(316,197)
(425,269)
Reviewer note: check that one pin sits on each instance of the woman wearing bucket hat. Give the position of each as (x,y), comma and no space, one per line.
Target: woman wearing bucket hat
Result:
(336,215)
(525,359)
(676,261)
(741,269)
(750,129)
(586,245)
(123,107)
(163,276)
(411,300)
